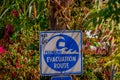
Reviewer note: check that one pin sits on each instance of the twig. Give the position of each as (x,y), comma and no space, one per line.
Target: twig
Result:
(86,16)
(35,11)
(29,5)
(4,13)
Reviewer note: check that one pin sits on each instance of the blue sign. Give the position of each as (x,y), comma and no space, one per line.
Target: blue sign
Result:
(62,78)
(60,52)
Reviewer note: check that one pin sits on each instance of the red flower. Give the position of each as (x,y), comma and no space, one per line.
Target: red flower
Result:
(8,30)
(107,32)
(15,13)
(113,48)
(97,50)
(87,43)
(2,50)
(110,39)
(107,73)
(18,66)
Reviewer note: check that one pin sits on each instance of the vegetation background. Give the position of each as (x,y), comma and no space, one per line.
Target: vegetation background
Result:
(22,20)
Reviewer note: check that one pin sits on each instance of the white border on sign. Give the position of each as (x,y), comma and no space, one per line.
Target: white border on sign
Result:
(64,73)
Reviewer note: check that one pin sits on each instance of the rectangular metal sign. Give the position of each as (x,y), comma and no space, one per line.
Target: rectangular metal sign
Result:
(60,52)
(62,78)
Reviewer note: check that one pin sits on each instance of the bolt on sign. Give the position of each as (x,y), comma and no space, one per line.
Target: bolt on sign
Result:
(60,52)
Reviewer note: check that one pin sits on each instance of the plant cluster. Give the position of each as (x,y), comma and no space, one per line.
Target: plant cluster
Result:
(20,24)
